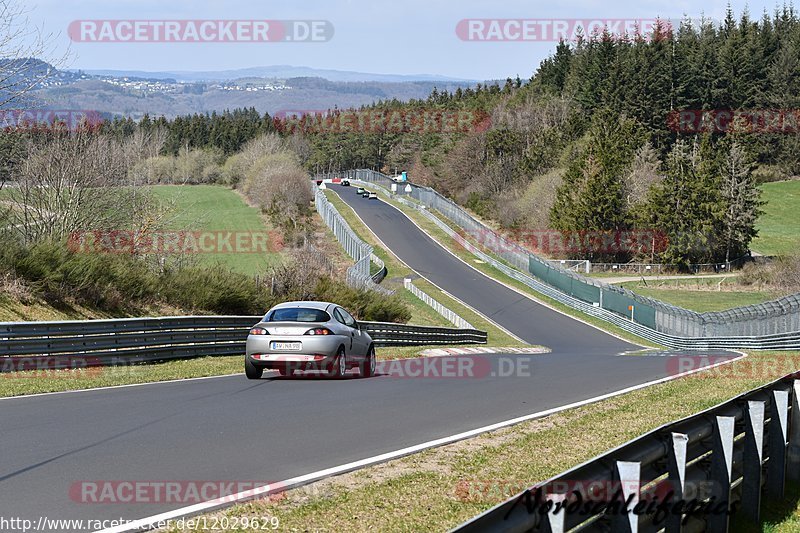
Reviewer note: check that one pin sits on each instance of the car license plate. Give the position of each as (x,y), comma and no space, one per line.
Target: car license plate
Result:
(285,345)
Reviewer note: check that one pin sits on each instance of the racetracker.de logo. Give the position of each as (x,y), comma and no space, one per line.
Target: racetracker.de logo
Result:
(378,121)
(47,367)
(555,30)
(200,31)
(48,119)
(183,492)
(763,121)
(556,242)
(175,242)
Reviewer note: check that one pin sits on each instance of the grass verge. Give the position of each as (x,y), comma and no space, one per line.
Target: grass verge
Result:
(39,381)
(446,241)
(422,313)
(698,295)
(217,208)
(439,488)
(33,309)
(779,227)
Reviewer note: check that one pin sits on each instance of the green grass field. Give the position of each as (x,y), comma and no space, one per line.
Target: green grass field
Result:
(437,489)
(779,226)
(215,208)
(701,300)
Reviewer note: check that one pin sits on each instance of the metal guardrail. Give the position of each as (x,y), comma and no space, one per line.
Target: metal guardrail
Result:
(450,315)
(390,334)
(379,276)
(91,343)
(358,275)
(732,453)
(784,341)
(772,325)
(75,344)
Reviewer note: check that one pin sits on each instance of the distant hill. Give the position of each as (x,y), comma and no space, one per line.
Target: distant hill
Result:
(134,98)
(267,89)
(277,72)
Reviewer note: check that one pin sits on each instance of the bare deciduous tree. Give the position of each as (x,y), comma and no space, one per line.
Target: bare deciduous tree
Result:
(240,167)
(20,44)
(141,148)
(75,182)
(741,198)
(531,210)
(281,188)
(644,173)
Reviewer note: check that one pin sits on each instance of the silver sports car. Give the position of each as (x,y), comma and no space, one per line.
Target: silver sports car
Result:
(296,336)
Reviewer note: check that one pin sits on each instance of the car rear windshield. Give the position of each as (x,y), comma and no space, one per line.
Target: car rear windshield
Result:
(297,314)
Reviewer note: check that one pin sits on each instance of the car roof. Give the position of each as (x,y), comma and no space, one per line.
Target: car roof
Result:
(308,304)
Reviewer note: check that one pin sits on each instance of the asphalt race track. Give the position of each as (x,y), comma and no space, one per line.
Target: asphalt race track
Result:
(232,429)
(532,322)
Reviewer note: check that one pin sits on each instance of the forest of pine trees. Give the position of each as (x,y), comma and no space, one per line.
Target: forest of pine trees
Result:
(588,143)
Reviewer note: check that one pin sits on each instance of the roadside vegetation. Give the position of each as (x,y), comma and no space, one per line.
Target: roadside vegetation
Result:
(779,226)
(447,242)
(422,312)
(214,208)
(699,295)
(755,283)
(442,487)
(80,230)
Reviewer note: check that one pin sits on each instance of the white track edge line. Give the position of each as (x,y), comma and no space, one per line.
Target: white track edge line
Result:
(515,289)
(111,387)
(148,522)
(389,251)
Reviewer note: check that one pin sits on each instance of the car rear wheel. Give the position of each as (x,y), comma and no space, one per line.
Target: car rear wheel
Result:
(339,365)
(368,366)
(252,371)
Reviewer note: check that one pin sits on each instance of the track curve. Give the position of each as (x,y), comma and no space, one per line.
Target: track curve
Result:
(232,429)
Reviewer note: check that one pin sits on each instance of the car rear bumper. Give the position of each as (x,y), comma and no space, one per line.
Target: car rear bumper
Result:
(315,351)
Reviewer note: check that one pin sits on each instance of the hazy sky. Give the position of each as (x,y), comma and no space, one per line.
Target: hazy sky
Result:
(397,37)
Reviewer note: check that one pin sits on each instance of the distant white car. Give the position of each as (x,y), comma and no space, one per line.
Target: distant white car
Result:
(373,196)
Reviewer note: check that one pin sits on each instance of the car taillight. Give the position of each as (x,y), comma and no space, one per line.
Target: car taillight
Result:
(259,331)
(319,331)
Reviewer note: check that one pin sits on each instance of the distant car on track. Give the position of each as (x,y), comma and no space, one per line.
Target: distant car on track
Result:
(360,190)
(373,196)
(321,336)
(345,183)
(365,194)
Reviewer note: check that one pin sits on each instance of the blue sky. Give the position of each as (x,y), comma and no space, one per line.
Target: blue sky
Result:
(396,37)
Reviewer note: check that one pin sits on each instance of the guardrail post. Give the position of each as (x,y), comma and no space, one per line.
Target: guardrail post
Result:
(721,469)
(753,458)
(777,433)
(555,522)
(676,476)
(793,463)
(629,476)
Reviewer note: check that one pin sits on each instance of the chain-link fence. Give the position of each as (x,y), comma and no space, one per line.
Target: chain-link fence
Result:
(358,275)
(661,268)
(770,318)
